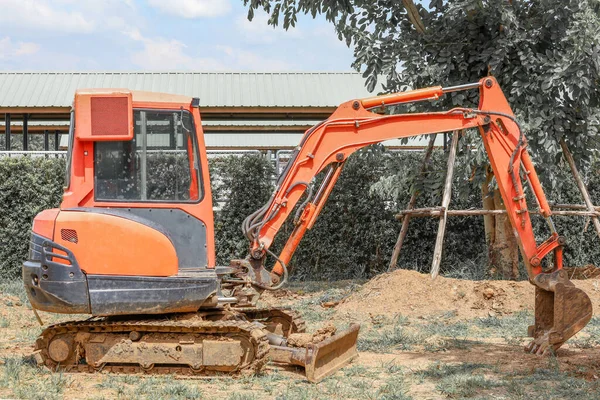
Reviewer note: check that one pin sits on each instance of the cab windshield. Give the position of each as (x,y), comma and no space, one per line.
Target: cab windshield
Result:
(159,164)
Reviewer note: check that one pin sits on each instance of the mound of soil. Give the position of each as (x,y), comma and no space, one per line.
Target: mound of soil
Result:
(414,294)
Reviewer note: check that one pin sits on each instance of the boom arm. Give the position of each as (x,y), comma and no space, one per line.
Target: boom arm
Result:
(352,126)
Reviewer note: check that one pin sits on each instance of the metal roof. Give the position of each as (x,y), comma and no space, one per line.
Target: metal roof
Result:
(215,89)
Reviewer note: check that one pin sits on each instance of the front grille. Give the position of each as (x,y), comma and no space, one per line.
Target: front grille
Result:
(109,116)
(69,235)
(35,247)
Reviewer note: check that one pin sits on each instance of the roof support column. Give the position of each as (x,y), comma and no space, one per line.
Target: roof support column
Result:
(25,132)
(56,142)
(7,131)
(46,140)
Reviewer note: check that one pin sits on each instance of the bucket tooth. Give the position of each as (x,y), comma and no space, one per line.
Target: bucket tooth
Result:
(321,359)
(561,310)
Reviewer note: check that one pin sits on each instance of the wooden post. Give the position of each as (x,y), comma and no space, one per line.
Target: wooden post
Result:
(437,211)
(580,184)
(411,204)
(439,242)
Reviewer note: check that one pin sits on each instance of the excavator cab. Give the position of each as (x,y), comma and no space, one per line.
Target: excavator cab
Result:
(134,232)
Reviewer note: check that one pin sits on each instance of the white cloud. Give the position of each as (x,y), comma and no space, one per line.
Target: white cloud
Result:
(8,49)
(40,15)
(259,31)
(192,8)
(168,54)
(158,53)
(244,60)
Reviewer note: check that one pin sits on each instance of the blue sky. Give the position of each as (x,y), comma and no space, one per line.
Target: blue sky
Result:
(174,35)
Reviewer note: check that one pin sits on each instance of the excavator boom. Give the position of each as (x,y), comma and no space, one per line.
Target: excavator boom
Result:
(353,126)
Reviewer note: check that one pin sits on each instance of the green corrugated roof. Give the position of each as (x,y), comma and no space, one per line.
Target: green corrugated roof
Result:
(215,89)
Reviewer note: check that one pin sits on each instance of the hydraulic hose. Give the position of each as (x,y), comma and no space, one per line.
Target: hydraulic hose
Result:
(283,279)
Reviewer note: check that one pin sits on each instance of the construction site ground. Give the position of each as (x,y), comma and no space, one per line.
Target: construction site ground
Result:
(419,339)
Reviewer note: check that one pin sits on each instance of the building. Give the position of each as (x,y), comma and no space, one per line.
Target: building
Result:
(240,111)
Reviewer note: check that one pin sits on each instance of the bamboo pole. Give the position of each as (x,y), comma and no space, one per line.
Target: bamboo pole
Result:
(439,242)
(572,206)
(437,211)
(580,184)
(411,204)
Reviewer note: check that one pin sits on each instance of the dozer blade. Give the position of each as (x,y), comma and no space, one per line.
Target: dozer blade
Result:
(561,310)
(331,354)
(320,359)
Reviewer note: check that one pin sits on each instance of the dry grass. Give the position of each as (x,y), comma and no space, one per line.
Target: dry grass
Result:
(434,356)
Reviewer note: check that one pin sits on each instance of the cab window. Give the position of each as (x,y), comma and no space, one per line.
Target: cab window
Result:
(159,164)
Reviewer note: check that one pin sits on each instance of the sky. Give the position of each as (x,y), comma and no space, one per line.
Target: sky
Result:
(160,35)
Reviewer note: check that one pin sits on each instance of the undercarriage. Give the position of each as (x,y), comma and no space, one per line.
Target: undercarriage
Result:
(208,343)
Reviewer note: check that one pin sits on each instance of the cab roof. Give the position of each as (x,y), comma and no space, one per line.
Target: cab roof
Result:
(140,96)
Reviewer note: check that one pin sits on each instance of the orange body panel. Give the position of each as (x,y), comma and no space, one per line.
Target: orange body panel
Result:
(43,223)
(110,245)
(432,93)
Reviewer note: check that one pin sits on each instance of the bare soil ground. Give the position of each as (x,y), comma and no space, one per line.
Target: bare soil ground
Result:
(419,339)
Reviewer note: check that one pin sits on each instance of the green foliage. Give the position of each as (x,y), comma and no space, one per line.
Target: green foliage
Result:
(246,184)
(546,56)
(352,238)
(353,235)
(27,186)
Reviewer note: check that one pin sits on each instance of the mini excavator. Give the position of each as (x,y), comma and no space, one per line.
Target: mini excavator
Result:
(132,242)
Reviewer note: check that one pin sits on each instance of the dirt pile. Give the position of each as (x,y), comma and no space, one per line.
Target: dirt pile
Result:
(304,339)
(414,294)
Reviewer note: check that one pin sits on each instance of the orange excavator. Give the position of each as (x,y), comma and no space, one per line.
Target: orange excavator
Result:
(132,242)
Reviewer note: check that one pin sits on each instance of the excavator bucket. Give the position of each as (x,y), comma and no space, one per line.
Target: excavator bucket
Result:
(561,310)
(328,356)
(319,359)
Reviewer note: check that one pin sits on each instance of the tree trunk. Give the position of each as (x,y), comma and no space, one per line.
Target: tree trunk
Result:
(503,249)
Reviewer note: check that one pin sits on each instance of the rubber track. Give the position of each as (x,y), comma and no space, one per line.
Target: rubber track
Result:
(254,335)
(298,324)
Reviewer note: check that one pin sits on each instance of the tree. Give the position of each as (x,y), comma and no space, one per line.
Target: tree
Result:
(545,55)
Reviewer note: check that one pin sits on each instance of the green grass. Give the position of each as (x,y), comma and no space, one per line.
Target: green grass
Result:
(440,370)
(377,384)
(514,325)
(461,386)
(242,396)
(385,339)
(458,329)
(472,380)
(312,312)
(589,336)
(151,388)
(394,388)
(27,381)
(14,287)
(462,380)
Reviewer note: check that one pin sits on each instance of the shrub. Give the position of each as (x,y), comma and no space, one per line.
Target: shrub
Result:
(28,185)
(246,184)
(355,233)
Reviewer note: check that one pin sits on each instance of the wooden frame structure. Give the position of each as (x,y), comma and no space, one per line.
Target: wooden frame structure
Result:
(442,212)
